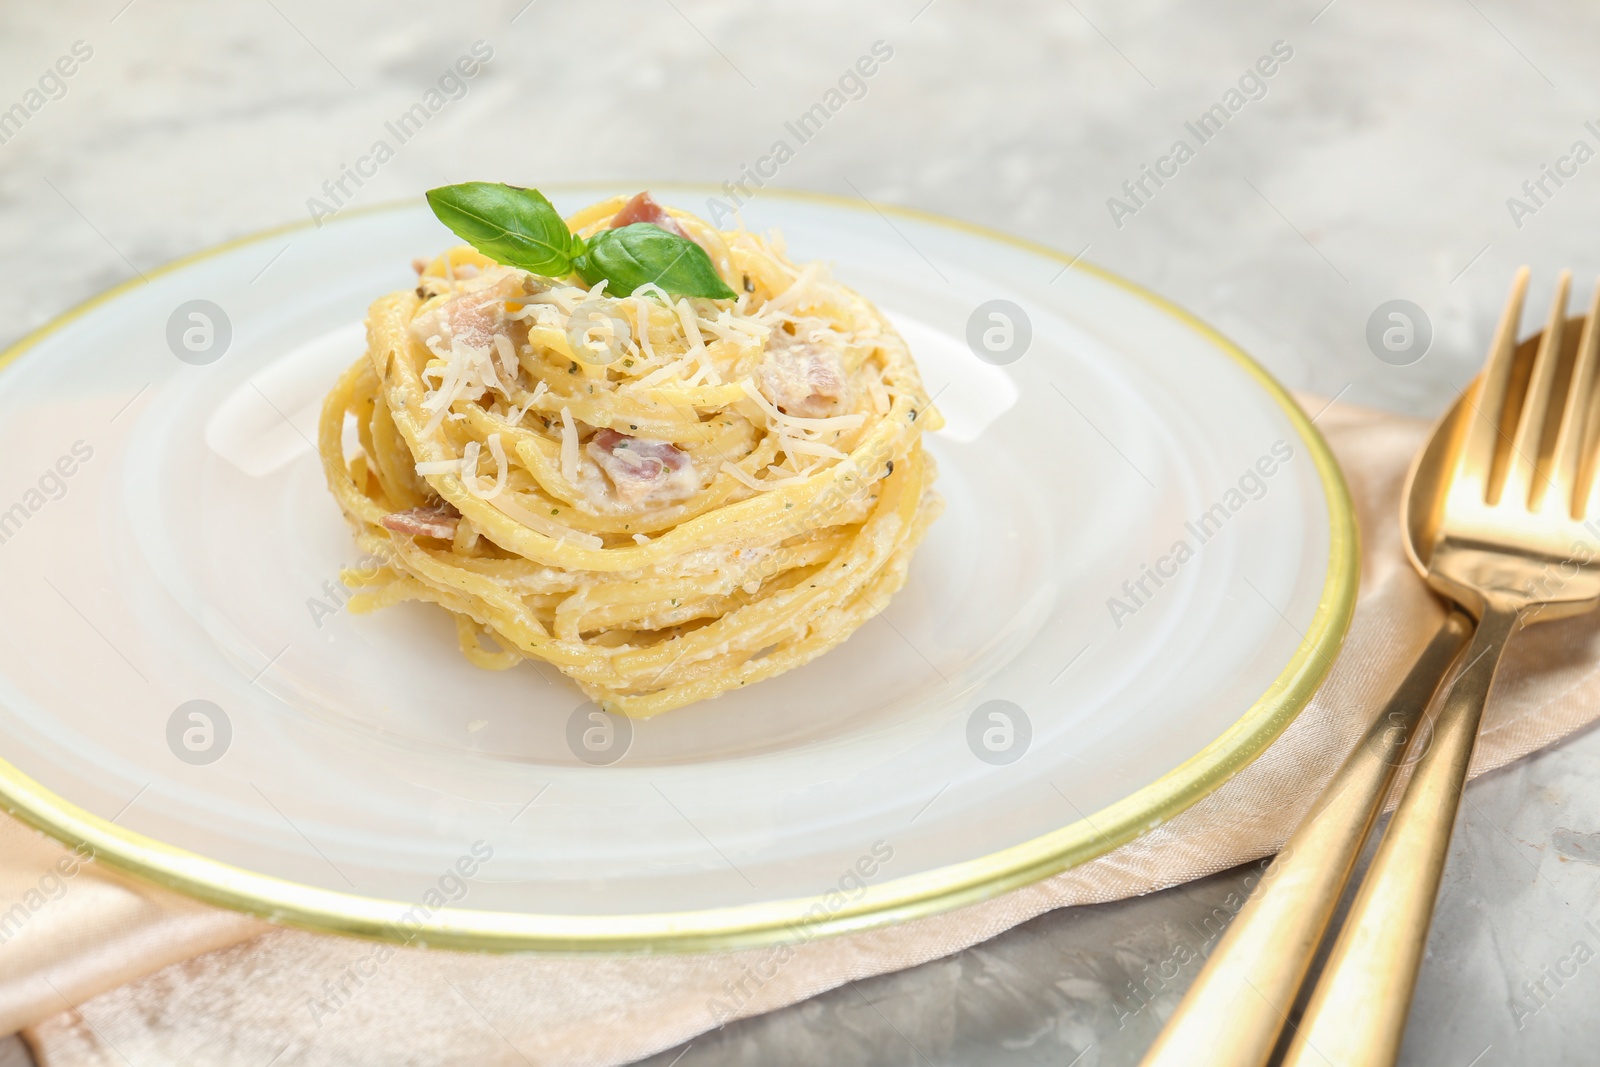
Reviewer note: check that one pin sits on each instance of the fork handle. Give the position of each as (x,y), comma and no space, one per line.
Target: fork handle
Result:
(1234,1012)
(1357,1014)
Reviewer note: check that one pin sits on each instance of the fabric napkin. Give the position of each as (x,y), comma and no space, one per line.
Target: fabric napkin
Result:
(107,970)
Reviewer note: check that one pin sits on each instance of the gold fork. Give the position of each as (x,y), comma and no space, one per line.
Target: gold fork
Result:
(1493,520)
(1517,541)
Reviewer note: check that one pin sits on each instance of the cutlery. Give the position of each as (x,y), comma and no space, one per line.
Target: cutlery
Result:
(1492,502)
(1515,539)
(1234,1011)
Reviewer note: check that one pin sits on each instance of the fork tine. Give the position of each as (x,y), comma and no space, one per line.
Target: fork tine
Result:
(1525,481)
(1483,429)
(1571,462)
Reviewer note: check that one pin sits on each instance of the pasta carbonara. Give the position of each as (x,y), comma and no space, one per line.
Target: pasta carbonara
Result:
(665,498)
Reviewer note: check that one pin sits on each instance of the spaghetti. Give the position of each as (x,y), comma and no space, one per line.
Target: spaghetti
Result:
(665,498)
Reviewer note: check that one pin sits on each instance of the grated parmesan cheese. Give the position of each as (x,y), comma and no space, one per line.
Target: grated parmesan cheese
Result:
(697,344)
(801,447)
(508,356)
(569,447)
(799,290)
(764,485)
(777,418)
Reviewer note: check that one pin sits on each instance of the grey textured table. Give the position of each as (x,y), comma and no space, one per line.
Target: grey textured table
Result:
(1377,162)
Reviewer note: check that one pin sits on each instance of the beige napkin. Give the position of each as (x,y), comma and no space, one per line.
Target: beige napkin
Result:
(109,971)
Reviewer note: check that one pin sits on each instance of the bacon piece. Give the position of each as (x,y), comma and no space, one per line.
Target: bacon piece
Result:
(643,209)
(643,471)
(803,380)
(439,521)
(472,316)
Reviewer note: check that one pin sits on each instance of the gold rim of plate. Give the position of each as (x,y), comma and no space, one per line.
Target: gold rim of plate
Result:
(749,925)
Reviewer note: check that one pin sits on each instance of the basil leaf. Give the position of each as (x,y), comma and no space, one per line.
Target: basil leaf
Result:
(643,253)
(510,225)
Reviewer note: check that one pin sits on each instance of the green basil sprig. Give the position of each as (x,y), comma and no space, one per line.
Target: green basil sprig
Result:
(520,228)
(517,227)
(644,253)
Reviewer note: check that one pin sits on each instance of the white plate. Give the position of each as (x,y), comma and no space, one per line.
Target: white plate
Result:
(193,556)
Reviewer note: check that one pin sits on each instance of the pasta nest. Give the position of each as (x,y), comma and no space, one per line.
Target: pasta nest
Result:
(663,498)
